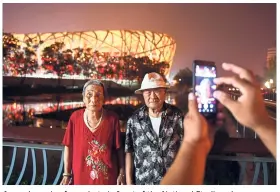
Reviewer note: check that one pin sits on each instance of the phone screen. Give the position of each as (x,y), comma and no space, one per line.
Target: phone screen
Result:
(204,88)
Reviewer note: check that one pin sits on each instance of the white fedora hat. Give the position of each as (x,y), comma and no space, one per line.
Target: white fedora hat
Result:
(151,81)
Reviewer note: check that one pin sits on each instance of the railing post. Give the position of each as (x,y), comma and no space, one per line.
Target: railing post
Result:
(237,129)
(244,131)
(256,136)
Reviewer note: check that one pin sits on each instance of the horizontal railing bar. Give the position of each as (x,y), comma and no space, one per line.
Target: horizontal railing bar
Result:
(34,134)
(33,146)
(242,158)
(273,118)
(54,137)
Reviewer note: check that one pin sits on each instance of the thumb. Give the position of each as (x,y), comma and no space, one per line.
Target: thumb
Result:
(192,104)
(225,100)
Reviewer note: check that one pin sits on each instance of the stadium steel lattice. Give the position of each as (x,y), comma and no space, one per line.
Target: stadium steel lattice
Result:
(158,47)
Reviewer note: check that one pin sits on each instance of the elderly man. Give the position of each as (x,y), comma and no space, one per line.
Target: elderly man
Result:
(153,135)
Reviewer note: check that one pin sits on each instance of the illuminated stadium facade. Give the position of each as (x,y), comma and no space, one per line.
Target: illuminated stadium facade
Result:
(116,55)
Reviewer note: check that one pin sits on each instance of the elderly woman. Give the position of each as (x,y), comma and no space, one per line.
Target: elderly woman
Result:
(91,140)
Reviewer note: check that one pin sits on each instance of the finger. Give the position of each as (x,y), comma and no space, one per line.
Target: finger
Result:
(62,182)
(226,101)
(220,123)
(192,104)
(221,116)
(243,73)
(234,81)
(220,107)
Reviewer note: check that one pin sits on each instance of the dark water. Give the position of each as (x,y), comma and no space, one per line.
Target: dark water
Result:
(48,110)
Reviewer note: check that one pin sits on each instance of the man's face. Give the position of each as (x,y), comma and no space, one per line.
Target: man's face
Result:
(154,98)
(94,97)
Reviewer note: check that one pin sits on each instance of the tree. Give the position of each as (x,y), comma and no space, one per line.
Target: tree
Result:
(55,59)
(184,77)
(19,60)
(10,43)
(10,46)
(184,82)
(83,62)
(259,79)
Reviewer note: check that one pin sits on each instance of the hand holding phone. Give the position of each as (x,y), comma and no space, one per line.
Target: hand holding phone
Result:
(204,72)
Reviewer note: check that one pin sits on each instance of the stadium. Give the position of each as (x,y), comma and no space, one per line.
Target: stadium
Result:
(117,55)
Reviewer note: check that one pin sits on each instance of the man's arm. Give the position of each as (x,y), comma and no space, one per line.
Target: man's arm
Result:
(188,167)
(267,134)
(129,168)
(249,110)
(129,153)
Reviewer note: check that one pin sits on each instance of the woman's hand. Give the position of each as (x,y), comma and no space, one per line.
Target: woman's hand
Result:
(66,180)
(121,179)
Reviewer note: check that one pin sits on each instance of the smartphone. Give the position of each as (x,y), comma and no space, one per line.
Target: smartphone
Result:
(204,72)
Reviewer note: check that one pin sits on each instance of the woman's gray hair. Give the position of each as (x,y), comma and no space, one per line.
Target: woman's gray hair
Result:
(94,82)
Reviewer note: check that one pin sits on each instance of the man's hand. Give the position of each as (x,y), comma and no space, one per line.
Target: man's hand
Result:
(249,109)
(195,125)
(189,165)
(197,130)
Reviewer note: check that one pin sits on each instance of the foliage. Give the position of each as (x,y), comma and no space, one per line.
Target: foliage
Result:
(18,60)
(57,60)
(259,79)
(184,77)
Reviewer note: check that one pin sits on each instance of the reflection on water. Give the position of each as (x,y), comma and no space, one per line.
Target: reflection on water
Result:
(22,113)
(52,106)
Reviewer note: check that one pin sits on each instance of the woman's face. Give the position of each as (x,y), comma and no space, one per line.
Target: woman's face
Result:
(94,97)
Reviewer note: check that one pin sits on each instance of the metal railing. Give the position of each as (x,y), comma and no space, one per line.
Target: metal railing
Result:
(270,96)
(17,159)
(243,131)
(253,170)
(35,156)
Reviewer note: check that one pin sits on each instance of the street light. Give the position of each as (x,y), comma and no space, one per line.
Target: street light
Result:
(267,84)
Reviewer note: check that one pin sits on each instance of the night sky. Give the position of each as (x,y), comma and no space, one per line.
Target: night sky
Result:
(236,33)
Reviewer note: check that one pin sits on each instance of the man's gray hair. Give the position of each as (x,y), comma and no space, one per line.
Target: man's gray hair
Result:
(94,82)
